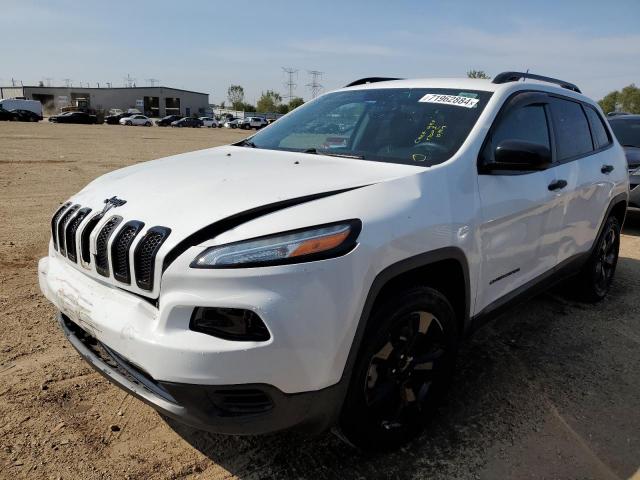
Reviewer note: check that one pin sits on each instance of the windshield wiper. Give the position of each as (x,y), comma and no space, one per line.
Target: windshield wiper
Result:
(630,145)
(247,143)
(315,151)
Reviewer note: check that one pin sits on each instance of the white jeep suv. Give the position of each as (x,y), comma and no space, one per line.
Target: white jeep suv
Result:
(322,272)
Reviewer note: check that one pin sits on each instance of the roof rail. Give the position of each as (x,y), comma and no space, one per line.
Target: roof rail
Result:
(363,81)
(505,77)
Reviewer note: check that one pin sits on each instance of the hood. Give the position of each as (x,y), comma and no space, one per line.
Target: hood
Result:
(633,156)
(190,191)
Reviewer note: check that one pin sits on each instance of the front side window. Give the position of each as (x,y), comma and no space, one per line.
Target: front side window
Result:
(528,124)
(415,126)
(573,136)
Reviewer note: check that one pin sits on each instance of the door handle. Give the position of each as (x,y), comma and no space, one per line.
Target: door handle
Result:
(606,168)
(557,185)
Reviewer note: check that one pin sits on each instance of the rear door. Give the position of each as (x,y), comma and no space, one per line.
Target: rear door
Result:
(515,205)
(582,165)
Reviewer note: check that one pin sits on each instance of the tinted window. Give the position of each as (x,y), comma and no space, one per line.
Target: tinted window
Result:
(526,123)
(415,126)
(627,131)
(572,130)
(598,129)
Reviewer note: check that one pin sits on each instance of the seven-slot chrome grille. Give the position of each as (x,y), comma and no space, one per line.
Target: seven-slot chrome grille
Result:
(72,225)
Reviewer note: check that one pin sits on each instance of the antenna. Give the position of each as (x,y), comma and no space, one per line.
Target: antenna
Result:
(315,85)
(290,84)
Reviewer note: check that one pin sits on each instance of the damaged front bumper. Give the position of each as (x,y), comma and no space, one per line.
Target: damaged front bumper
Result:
(228,409)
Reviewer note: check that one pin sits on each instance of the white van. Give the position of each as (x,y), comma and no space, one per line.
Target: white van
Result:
(20,104)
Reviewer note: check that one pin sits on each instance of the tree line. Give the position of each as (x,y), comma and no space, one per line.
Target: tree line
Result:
(269,102)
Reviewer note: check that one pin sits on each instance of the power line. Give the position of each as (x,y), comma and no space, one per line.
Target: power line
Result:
(315,85)
(290,84)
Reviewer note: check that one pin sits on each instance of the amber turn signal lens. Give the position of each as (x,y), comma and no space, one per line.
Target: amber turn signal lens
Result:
(316,245)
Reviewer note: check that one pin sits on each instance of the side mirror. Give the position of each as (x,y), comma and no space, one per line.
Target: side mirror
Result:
(520,155)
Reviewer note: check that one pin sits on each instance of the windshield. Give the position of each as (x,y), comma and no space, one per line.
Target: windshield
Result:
(627,132)
(415,126)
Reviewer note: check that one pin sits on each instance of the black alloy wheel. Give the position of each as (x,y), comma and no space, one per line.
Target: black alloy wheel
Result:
(594,281)
(405,367)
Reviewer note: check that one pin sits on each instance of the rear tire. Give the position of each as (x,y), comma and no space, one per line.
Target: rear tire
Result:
(594,281)
(405,364)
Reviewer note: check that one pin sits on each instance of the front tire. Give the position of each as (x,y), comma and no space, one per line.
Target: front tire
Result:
(594,281)
(405,364)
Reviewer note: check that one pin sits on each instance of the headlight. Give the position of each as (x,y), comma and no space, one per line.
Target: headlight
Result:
(316,243)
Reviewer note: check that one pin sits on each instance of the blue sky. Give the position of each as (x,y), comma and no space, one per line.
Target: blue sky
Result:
(207,46)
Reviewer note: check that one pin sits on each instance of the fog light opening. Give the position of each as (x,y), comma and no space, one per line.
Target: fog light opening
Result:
(229,323)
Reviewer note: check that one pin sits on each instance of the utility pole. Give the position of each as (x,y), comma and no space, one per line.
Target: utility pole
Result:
(129,82)
(153,82)
(290,84)
(48,81)
(315,85)
(67,82)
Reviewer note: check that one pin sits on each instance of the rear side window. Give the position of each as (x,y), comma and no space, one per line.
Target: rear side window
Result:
(527,123)
(573,136)
(600,136)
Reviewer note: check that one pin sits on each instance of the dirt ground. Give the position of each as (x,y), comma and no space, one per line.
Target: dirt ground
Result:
(549,390)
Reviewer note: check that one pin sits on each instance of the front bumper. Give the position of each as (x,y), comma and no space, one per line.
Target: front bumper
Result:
(228,409)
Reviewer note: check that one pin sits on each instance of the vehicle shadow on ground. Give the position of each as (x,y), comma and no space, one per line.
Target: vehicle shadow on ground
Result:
(547,351)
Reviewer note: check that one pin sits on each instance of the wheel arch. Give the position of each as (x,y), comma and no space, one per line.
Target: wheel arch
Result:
(445,269)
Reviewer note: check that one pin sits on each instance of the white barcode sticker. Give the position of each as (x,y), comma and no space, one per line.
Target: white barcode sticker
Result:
(455,100)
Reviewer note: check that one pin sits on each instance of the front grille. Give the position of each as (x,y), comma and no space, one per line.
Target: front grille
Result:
(72,228)
(120,250)
(61,224)
(102,257)
(54,223)
(85,237)
(145,255)
(70,233)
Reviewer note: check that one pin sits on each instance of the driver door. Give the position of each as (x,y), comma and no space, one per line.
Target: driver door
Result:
(515,205)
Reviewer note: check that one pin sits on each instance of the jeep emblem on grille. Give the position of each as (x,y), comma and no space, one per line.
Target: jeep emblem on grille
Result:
(112,202)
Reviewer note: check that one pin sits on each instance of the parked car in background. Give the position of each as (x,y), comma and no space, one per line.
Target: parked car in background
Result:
(6,115)
(253,122)
(232,122)
(166,121)
(26,115)
(74,117)
(137,120)
(115,118)
(209,122)
(627,130)
(21,104)
(187,122)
